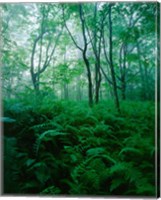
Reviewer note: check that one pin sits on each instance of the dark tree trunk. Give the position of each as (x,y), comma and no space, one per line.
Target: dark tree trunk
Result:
(83,50)
(97,51)
(90,92)
(41,67)
(97,64)
(111,62)
(34,77)
(98,82)
(123,90)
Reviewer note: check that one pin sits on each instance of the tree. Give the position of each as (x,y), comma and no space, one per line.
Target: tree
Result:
(95,34)
(108,50)
(109,58)
(13,59)
(83,50)
(45,33)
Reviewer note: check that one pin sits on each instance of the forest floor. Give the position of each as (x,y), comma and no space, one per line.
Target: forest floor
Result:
(64,147)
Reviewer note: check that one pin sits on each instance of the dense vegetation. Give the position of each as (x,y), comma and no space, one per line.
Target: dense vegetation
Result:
(68,148)
(78,98)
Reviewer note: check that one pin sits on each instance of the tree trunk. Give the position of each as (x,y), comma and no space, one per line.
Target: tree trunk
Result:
(35,82)
(111,62)
(98,82)
(90,93)
(123,90)
(97,51)
(83,50)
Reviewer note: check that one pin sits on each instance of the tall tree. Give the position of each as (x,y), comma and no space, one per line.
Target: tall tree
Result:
(95,33)
(82,49)
(51,34)
(109,58)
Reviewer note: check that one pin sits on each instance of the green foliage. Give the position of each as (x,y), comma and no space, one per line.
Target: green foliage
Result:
(52,190)
(77,150)
(53,142)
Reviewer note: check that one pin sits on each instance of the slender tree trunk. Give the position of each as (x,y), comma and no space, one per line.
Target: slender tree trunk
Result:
(111,62)
(35,82)
(123,90)
(83,50)
(90,92)
(97,51)
(98,82)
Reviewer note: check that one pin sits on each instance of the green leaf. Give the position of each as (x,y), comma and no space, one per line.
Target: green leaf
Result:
(95,151)
(51,190)
(50,133)
(130,150)
(30,162)
(115,184)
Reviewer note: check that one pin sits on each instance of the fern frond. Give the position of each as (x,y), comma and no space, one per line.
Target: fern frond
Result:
(46,136)
(98,165)
(86,131)
(51,190)
(118,167)
(47,125)
(93,141)
(41,171)
(130,150)
(116,183)
(95,151)
(143,187)
(90,179)
(102,129)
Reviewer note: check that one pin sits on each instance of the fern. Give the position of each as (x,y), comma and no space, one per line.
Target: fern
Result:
(129,151)
(46,136)
(47,125)
(95,151)
(145,188)
(102,129)
(51,190)
(90,179)
(116,183)
(29,186)
(78,150)
(86,131)
(98,165)
(93,141)
(40,171)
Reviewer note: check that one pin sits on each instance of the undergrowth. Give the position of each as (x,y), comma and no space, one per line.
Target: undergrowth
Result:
(57,147)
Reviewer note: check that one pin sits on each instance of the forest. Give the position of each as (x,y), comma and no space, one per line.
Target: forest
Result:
(79,98)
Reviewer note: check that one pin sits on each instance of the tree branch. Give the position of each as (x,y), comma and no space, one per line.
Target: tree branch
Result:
(48,58)
(71,36)
(104,48)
